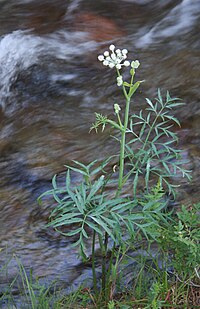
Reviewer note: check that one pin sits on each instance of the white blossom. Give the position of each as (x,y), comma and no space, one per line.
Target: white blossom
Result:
(101,58)
(114,58)
(118,66)
(118,51)
(105,62)
(112,47)
(126,63)
(111,65)
(124,51)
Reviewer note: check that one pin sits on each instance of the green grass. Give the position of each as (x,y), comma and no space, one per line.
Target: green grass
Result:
(150,288)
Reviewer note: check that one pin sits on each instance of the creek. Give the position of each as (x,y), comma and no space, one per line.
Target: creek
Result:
(50,86)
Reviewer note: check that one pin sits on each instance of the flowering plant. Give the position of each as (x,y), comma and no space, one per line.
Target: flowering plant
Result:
(117,223)
(116,60)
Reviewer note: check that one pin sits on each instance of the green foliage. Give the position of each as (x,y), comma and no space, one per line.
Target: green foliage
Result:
(154,302)
(147,148)
(111,304)
(183,240)
(87,207)
(156,155)
(31,293)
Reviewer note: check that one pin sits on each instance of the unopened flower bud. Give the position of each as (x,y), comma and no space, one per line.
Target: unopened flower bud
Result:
(117,108)
(118,66)
(126,63)
(101,58)
(111,65)
(124,51)
(119,80)
(105,63)
(112,47)
(113,56)
(135,64)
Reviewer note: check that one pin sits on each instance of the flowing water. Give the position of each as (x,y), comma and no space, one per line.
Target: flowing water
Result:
(50,86)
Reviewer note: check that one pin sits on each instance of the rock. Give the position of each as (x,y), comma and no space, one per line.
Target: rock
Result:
(99,28)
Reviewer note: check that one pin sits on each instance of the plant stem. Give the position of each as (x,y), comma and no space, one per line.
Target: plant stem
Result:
(104,272)
(109,281)
(152,126)
(122,147)
(93,264)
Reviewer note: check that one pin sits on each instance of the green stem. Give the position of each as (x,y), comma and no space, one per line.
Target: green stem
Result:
(119,120)
(152,127)
(145,142)
(122,147)
(114,124)
(109,273)
(132,78)
(123,139)
(93,264)
(104,272)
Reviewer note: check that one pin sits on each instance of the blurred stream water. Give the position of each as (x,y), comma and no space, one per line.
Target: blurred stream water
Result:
(50,86)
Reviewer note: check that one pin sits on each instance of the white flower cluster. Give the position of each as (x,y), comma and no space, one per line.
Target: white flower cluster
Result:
(114,58)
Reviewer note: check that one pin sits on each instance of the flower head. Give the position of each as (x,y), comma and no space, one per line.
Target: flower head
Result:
(114,58)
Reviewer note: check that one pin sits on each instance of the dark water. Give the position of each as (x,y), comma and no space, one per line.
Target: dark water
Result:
(50,86)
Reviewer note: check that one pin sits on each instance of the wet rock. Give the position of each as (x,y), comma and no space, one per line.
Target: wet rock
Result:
(43,17)
(98,28)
